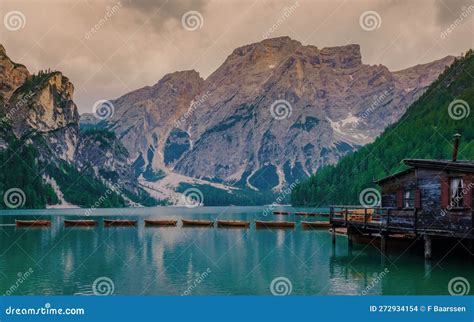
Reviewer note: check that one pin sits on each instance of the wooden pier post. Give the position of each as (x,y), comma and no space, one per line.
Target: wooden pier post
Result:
(427,239)
(331,218)
(350,234)
(428,268)
(383,242)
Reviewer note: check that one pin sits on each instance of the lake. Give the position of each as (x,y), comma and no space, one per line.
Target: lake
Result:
(205,261)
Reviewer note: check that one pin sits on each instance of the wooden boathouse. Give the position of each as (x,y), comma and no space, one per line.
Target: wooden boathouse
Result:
(431,199)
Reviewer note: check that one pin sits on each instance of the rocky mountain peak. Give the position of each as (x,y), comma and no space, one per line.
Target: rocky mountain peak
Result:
(271,45)
(178,83)
(43,103)
(144,117)
(40,113)
(184,75)
(333,104)
(348,56)
(12,75)
(274,50)
(327,93)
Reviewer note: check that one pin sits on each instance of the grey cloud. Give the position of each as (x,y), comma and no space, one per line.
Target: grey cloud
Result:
(165,9)
(122,56)
(449,10)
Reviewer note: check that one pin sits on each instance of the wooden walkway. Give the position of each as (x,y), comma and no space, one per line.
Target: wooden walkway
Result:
(388,221)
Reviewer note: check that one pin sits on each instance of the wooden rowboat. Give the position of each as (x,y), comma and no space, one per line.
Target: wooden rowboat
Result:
(202,223)
(160,222)
(119,222)
(35,223)
(281,213)
(301,213)
(274,224)
(233,223)
(315,224)
(307,213)
(80,223)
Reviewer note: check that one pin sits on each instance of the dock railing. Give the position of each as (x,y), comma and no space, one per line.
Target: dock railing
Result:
(458,222)
(383,218)
(365,216)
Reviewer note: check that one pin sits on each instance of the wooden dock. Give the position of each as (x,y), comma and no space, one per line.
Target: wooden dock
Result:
(389,223)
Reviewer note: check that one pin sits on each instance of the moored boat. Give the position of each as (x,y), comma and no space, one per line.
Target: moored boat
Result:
(84,222)
(315,224)
(35,223)
(119,222)
(281,213)
(301,213)
(233,223)
(160,222)
(203,223)
(274,224)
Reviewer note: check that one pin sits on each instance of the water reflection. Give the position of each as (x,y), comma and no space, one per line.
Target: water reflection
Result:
(169,260)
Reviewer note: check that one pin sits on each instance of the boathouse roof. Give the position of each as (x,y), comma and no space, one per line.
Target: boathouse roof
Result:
(459,165)
(448,165)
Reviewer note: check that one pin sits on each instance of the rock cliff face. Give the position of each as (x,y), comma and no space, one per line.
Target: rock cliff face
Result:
(38,110)
(44,104)
(272,113)
(143,119)
(12,75)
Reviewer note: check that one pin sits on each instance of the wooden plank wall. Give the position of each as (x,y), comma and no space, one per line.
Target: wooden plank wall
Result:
(431,216)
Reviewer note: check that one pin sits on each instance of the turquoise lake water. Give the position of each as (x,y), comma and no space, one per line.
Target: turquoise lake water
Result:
(207,261)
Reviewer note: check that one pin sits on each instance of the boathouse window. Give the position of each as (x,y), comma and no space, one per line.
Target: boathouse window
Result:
(409,199)
(456,192)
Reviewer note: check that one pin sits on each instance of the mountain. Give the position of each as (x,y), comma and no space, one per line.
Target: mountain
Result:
(45,155)
(144,119)
(272,114)
(443,110)
(12,75)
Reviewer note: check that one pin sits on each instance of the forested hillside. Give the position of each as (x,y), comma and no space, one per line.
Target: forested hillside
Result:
(425,131)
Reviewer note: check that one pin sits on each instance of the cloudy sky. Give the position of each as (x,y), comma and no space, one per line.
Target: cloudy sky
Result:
(108,48)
